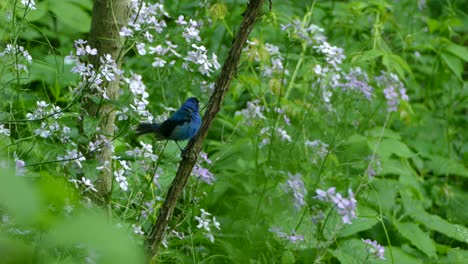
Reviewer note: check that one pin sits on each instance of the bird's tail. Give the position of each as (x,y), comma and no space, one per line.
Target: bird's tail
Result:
(145,128)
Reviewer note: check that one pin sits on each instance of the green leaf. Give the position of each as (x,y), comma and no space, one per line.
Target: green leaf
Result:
(89,125)
(459,51)
(368,56)
(457,256)
(443,166)
(358,225)
(417,237)
(399,256)
(41,10)
(393,166)
(288,257)
(441,225)
(388,146)
(395,63)
(367,219)
(71,15)
(376,132)
(454,64)
(111,244)
(386,191)
(352,251)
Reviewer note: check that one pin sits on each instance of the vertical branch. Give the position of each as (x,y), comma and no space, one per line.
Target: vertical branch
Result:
(191,152)
(109,16)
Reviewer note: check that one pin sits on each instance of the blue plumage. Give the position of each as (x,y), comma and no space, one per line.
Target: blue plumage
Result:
(182,125)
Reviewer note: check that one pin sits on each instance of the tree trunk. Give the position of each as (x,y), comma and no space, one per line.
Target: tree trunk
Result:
(109,16)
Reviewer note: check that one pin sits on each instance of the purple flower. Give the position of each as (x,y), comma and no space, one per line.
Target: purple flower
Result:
(295,185)
(203,174)
(293,238)
(394,90)
(346,208)
(372,247)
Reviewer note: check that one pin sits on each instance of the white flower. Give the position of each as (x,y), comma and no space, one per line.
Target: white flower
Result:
(29,4)
(4,130)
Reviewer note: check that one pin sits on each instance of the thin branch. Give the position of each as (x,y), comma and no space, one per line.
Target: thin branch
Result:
(191,152)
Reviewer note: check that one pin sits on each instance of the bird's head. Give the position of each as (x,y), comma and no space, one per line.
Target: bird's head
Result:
(192,103)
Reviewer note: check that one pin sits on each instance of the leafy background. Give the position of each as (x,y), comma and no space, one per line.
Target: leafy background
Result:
(414,205)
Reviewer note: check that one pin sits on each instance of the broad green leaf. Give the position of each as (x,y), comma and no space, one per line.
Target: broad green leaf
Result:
(352,251)
(358,225)
(441,225)
(417,237)
(457,256)
(443,166)
(288,257)
(394,166)
(367,219)
(395,63)
(454,64)
(89,125)
(376,132)
(399,256)
(389,146)
(459,51)
(368,56)
(71,15)
(386,190)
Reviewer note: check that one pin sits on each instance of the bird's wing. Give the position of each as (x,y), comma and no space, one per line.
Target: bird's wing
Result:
(168,126)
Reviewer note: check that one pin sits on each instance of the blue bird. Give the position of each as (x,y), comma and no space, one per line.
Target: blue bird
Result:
(182,125)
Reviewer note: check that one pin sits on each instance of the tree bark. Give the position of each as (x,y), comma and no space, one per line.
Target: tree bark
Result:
(109,16)
(191,152)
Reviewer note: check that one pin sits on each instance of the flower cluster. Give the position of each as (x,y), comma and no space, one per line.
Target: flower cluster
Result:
(137,230)
(73,155)
(372,247)
(295,185)
(253,111)
(44,110)
(293,238)
(345,207)
(140,96)
(266,134)
(276,62)
(145,18)
(374,167)
(358,80)
(191,32)
(205,223)
(311,34)
(171,234)
(49,127)
(85,182)
(271,67)
(202,173)
(19,55)
(329,74)
(319,148)
(394,90)
(144,154)
(92,78)
(120,173)
(198,56)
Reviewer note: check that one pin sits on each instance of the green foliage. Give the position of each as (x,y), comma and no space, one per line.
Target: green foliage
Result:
(298,118)
(47,223)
